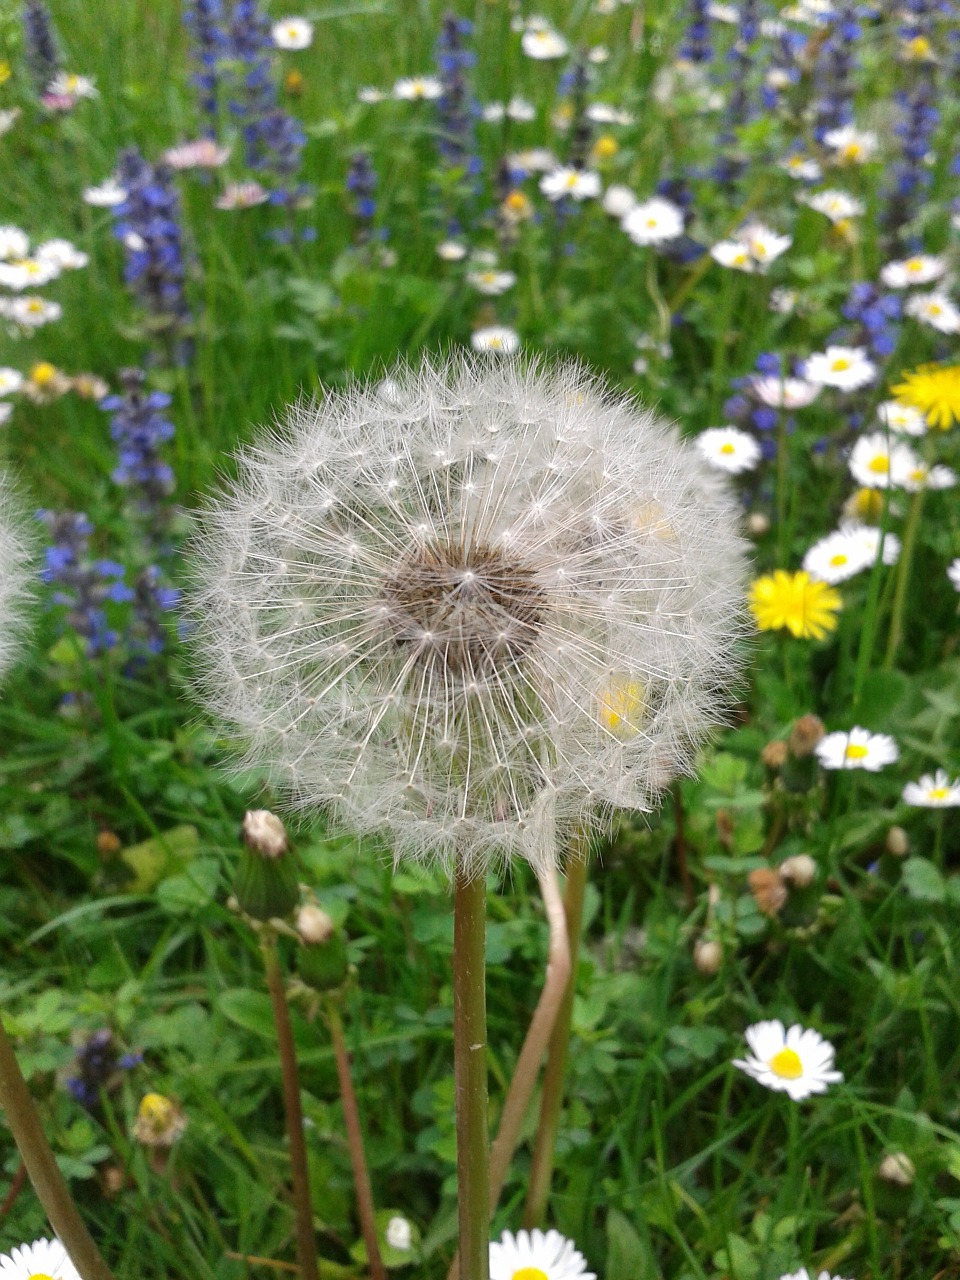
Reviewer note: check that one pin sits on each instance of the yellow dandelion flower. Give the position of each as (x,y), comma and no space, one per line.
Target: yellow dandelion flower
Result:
(934,389)
(160,1122)
(605,147)
(806,607)
(865,505)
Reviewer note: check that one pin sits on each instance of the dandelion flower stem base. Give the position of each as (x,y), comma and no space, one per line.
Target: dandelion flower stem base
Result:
(541,1165)
(46,1178)
(470,1074)
(306,1243)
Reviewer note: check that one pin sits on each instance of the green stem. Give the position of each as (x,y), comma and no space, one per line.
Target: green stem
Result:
(300,1178)
(470,1073)
(351,1121)
(903,577)
(48,1182)
(541,1164)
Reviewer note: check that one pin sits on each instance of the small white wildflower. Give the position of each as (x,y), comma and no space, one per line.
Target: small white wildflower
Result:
(837,557)
(763,244)
(533,160)
(604,113)
(14,243)
(451,250)
(784,393)
(731,253)
(858,749)
(845,368)
(105,196)
(70,85)
(912,474)
(873,457)
(798,1061)
(418,89)
(934,309)
(618,200)
(851,145)
(369,95)
(543,44)
(42,1260)
(8,119)
(11,380)
(27,273)
(528,1255)
(898,1168)
(578,184)
(933,791)
(953,573)
(62,253)
(869,537)
(838,206)
(653,221)
(496,338)
(204,153)
(292,33)
(598,54)
(504,600)
(32,312)
(804,168)
(728,449)
(6,409)
(398,1234)
(902,418)
(922,268)
(491,281)
(803,1273)
(241,195)
(783,301)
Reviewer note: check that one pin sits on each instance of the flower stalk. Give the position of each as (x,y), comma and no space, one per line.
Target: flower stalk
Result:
(470,1073)
(306,1243)
(41,1165)
(903,577)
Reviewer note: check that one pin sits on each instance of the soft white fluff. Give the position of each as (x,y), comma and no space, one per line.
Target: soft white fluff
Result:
(468,602)
(15,576)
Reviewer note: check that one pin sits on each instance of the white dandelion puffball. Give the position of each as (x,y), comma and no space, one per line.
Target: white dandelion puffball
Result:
(15,574)
(496,598)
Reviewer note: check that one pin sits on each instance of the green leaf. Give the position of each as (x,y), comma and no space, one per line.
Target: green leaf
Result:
(629,1257)
(192,889)
(922,880)
(248,1009)
(164,855)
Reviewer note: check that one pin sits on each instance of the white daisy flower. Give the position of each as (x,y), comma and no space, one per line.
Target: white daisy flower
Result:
(369,95)
(32,312)
(920,269)
(837,557)
(727,13)
(953,573)
(804,1274)
(242,195)
(105,196)
(902,418)
(8,119)
(783,301)
(69,85)
(27,273)
(653,221)
(851,145)
(874,457)
(598,54)
(495,337)
(604,113)
(6,409)
(936,310)
(42,1260)
(62,254)
(292,33)
(14,243)
(858,749)
(492,282)
(933,791)
(451,250)
(11,380)
(869,536)
(731,253)
(418,89)
(910,473)
(579,184)
(784,393)
(838,206)
(803,168)
(543,43)
(618,200)
(533,160)
(798,1062)
(204,153)
(728,449)
(537,1255)
(763,243)
(845,368)
(398,1233)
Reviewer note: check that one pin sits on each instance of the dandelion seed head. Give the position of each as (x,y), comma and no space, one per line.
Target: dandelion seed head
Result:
(496,597)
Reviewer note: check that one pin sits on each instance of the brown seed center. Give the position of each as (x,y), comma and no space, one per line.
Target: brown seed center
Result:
(471,609)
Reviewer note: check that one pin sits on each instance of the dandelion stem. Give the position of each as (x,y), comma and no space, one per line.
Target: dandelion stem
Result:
(48,1181)
(470,1073)
(903,577)
(351,1120)
(306,1243)
(541,1165)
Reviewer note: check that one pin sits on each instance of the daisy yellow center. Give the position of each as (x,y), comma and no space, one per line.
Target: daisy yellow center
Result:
(880,464)
(840,364)
(918,47)
(854,751)
(740,257)
(42,374)
(852,151)
(516,201)
(34,306)
(934,308)
(758,248)
(839,559)
(495,343)
(571,180)
(39,1275)
(72,83)
(605,146)
(914,266)
(938,793)
(727,448)
(786,1064)
(529,1273)
(651,222)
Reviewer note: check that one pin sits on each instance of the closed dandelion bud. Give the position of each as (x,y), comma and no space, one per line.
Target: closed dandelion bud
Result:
(897,1168)
(774,755)
(323,965)
(707,955)
(799,871)
(159,1122)
(769,891)
(498,601)
(804,736)
(266,884)
(313,924)
(898,844)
